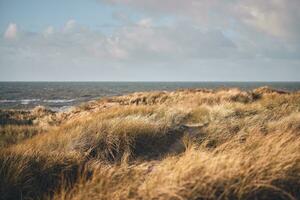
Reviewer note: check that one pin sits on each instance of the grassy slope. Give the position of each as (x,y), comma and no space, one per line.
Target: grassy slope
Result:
(189,144)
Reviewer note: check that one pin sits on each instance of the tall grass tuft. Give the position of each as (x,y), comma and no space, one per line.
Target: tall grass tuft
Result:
(186,144)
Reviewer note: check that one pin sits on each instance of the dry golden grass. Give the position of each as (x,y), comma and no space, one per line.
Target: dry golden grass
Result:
(187,144)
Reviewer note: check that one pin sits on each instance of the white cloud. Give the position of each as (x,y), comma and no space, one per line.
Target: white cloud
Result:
(11,32)
(147,22)
(278,18)
(48,31)
(204,36)
(144,42)
(70,25)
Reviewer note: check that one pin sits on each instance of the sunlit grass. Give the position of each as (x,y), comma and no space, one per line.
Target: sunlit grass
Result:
(188,144)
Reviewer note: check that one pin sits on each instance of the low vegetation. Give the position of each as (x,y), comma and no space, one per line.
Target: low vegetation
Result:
(186,144)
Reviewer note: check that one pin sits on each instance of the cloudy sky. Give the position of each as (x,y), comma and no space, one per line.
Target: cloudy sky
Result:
(150,40)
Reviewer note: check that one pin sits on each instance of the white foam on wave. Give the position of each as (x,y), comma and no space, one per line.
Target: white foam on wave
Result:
(28,101)
(59,100)
(7,101)
(22,101)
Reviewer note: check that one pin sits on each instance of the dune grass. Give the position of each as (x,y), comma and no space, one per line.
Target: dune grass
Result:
(187,144)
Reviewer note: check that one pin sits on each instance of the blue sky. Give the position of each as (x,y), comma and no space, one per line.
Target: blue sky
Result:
(35,15)
(142,40)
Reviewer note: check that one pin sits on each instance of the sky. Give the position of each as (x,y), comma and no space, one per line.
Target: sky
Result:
(149,40)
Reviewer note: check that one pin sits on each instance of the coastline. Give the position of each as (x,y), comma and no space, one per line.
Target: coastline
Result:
(55,95)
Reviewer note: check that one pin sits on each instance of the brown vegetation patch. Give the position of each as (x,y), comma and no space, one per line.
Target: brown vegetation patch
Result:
(185,144)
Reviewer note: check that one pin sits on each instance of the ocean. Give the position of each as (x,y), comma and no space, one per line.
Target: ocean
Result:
(62,95)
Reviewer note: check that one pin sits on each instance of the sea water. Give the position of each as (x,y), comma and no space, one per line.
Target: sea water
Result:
(60,95)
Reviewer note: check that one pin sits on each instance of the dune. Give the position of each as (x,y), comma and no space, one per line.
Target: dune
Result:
(184,144)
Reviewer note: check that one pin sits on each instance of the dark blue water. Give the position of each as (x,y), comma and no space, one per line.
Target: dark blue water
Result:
(55,95)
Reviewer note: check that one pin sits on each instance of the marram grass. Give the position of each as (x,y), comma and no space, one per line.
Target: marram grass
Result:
(187,144)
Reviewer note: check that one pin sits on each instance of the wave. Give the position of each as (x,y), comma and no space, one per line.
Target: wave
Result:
(28,101)
(22,101)
(59,100)
(7,101)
